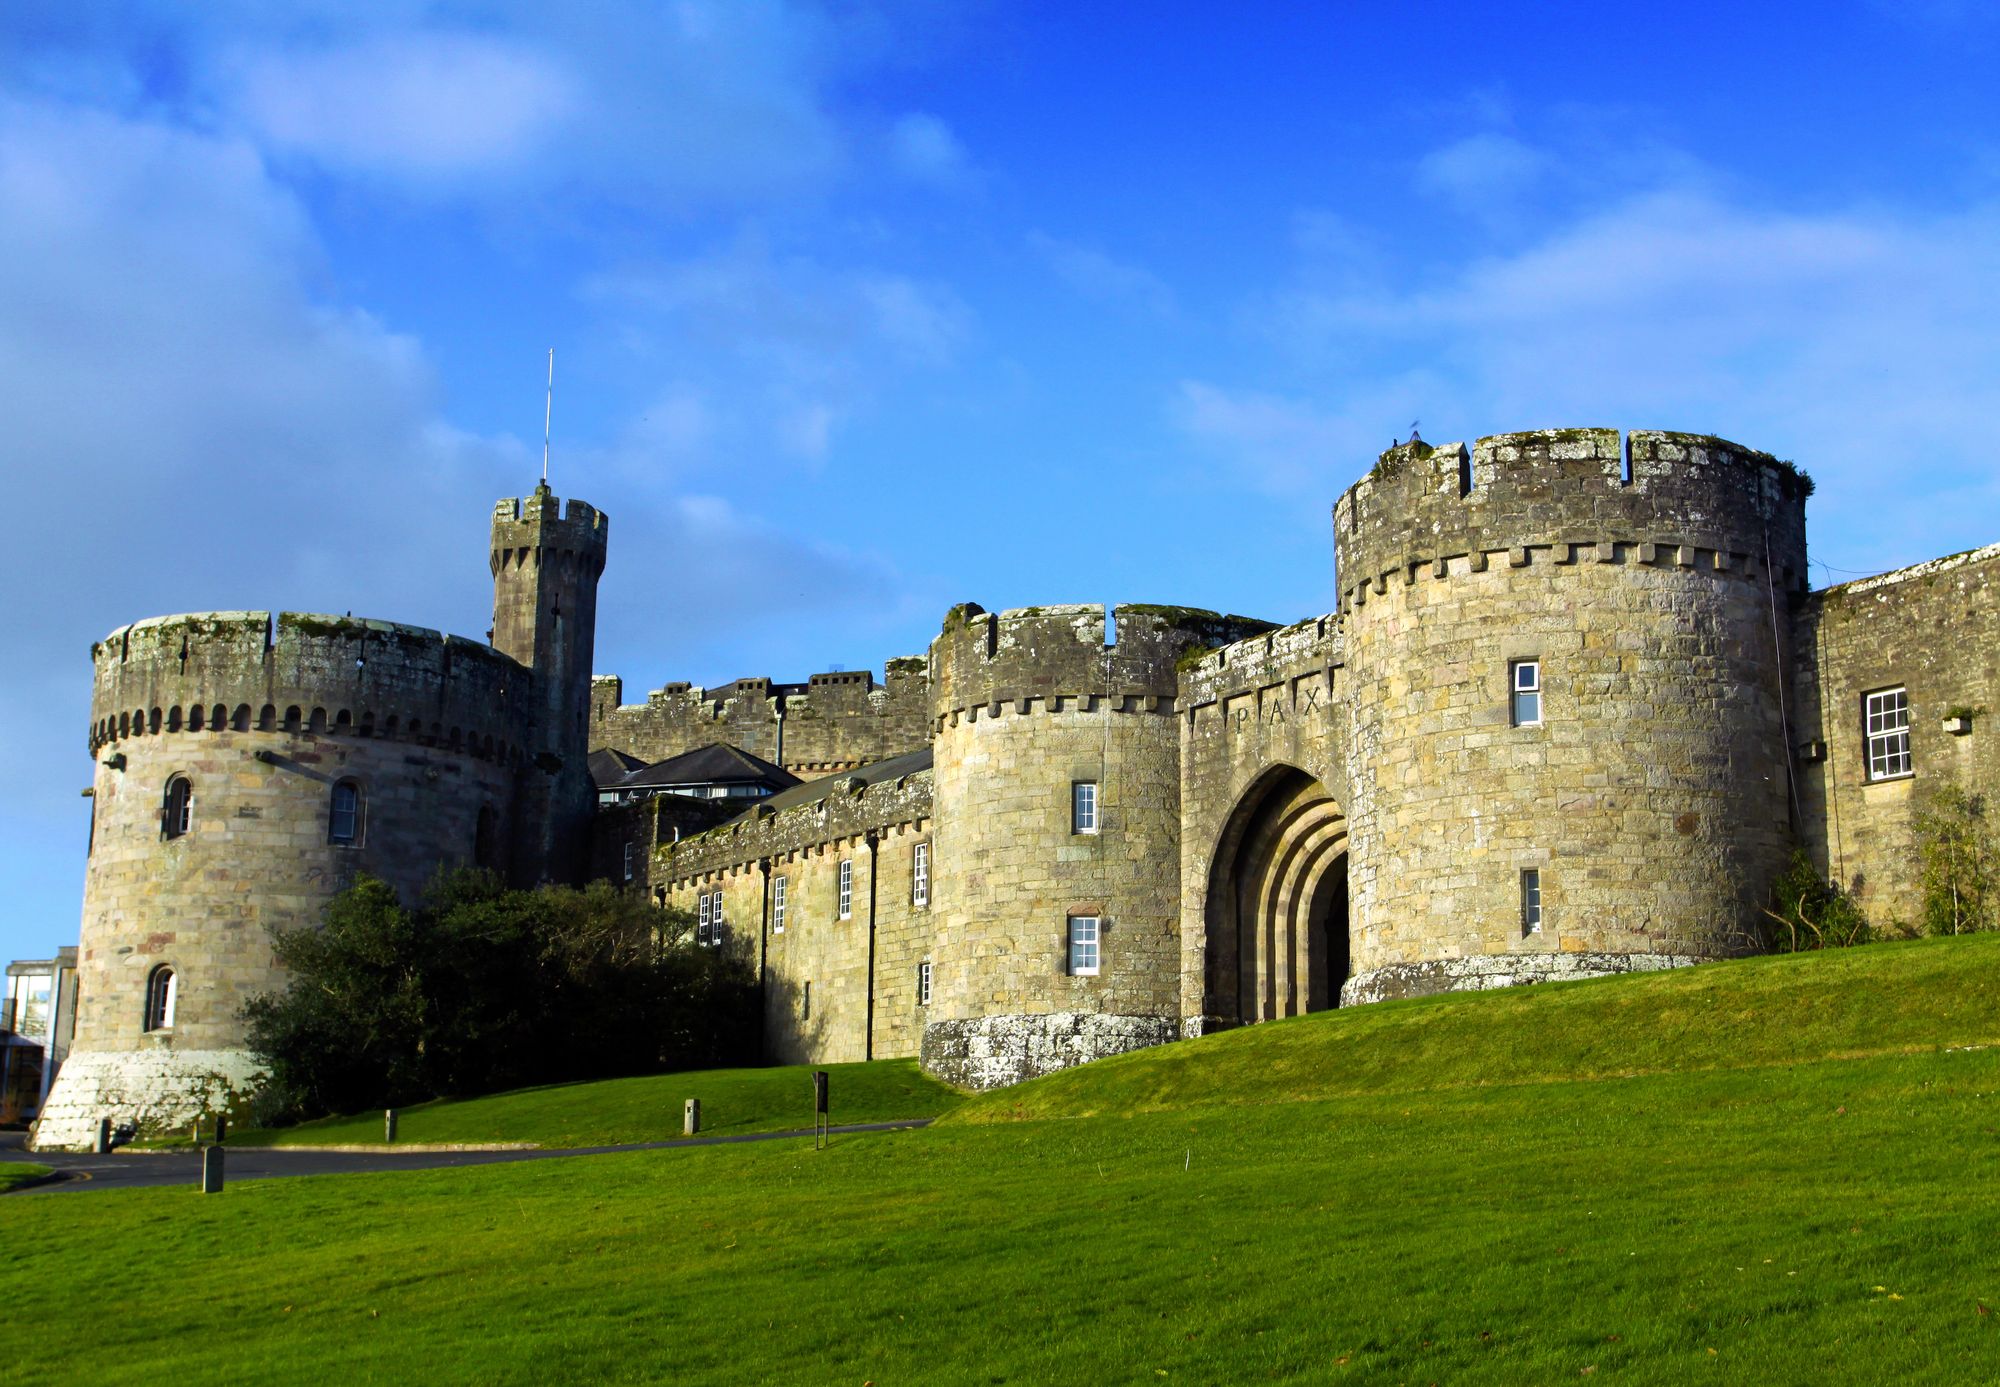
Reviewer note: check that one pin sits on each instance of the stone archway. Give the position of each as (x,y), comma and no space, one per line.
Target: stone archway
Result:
(1276,908)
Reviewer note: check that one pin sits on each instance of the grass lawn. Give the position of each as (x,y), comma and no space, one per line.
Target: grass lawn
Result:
(1754,1216)
(14,1174)
(649,1108)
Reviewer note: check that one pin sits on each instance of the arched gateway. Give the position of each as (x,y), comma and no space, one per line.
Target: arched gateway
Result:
(1277,903)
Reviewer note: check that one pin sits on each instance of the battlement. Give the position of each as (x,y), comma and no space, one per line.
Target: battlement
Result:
(302,672)
(1559,490)
(982,662)
(531,527)
(853,808)
(1287,652)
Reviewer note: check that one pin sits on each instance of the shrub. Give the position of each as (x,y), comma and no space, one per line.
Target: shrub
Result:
(1809,912)
(480,988)
(1956,867)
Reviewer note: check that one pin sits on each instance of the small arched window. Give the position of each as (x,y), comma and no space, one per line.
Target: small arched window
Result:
(177,814)
(161,992)
(343,826)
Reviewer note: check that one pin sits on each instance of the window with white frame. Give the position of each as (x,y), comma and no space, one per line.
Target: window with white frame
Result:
(628,861)
(1524,679)
(1083,946)
(177,814)
(701,918)
(1083,807)
(846,888)
(715,921)
(778,885)
(1531,901)
(1887,716)
(343,823)
(924,983)
(920,875)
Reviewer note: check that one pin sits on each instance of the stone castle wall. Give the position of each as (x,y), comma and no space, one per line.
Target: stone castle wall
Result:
(833,723)
(1651,797)
(1027,704)
(1933,629)
(863,1003)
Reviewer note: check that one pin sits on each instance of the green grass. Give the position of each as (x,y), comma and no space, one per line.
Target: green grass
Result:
(1772,1211)
(14,1174)
(614,1112)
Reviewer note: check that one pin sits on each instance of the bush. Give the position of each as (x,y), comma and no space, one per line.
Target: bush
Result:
(481,988)
(1956,865)
(1809,912)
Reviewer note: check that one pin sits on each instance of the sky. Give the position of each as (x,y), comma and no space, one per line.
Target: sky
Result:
(864,309)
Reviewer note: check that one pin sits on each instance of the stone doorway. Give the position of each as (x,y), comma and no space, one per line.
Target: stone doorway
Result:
(1276,909)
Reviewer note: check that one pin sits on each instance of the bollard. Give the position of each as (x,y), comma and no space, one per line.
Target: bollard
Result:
(221,1130)
(691,1119)
(820,1136)
(103,1147)
(389,1125)
(211,1170)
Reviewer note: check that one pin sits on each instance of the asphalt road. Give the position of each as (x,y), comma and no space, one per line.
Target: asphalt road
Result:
(135,1170)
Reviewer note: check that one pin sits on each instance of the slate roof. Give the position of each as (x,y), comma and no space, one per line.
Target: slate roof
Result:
(608,767)
(715,764)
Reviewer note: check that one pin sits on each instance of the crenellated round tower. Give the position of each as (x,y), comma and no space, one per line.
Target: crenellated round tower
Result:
(247,768)
(1566,689)
(1057,792)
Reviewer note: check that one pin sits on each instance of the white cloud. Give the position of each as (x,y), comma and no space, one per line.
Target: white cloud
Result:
(1858,342)
(924,148)
(793,345)
(1481,170)
(415,106)
(1098,276)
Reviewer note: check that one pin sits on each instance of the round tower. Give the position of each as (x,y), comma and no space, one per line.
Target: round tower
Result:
(1057,801)
(546,564)
(1569,753)
(246,770)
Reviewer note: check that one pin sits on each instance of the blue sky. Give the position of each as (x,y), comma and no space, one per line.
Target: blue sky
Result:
(861,310)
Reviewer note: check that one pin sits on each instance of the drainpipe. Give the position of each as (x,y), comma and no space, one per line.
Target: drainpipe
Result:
(868,1038)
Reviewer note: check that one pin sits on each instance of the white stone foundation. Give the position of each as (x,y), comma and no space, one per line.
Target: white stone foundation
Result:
(156,1090)
(994,1051)
(1498,970)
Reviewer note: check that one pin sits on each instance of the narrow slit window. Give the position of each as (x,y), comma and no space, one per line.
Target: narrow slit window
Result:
(924,983)
(1083,956)
(177,814)
(628,861)
(1531,901)
(1083,806)
(1525,679)
(847,888)
(778,892)
(1887,717)
(806,1002)
(920,874)
(162,991)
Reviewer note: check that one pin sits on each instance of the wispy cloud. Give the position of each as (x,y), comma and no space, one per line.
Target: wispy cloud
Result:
(1099,276)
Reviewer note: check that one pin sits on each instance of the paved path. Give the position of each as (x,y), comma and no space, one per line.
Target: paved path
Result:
(133,1170)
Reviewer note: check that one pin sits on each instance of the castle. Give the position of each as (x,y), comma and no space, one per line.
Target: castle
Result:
(1577,708)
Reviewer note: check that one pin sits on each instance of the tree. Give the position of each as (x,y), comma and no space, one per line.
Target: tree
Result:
(1956,862)
(479,988)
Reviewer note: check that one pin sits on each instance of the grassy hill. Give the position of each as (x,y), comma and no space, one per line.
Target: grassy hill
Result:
(649,1108)
(1776,1171)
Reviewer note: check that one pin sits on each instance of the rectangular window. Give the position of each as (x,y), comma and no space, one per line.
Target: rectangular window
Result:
(920,875)
(1531,901)
(1083,946)
(701,919)
(1083,807)
(715,921)
(924,983)
(1525,679)
(806,1002)
(1887,714)
(628,861)
(846,888)
(778,905)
